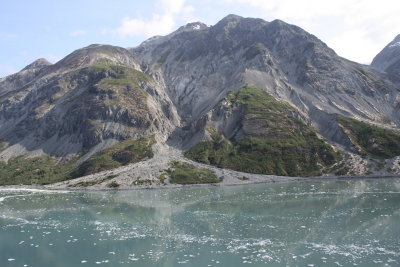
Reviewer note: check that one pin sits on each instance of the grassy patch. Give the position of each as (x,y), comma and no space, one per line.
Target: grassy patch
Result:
(2,145)
(38,170)
(371,140)
(126,152)
(267,156)
(163,178)
(284,145)
(257,101)
(46,170)
(185,173)
(113,184)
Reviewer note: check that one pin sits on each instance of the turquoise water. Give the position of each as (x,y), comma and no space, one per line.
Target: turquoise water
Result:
(319,223)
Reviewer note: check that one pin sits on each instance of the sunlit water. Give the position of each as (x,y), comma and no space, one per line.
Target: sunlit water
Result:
(319,223)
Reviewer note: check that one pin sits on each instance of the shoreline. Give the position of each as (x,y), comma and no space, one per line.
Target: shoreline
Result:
(281,179)
(147,174)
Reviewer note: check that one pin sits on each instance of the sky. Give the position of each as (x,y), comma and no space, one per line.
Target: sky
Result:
(355,29)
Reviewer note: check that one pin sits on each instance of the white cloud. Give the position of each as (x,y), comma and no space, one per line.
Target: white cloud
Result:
(78,32)
(357,29)
(160,23)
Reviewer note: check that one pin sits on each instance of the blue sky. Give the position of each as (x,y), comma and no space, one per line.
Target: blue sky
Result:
(355,29)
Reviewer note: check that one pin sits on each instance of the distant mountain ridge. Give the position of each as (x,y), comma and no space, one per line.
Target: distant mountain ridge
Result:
(177,88)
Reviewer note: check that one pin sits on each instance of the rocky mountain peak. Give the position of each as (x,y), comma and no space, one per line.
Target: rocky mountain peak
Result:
(95,54)
(193,26)
(38,64)
(230,18)
(235,21)
(388,60)
(395,43)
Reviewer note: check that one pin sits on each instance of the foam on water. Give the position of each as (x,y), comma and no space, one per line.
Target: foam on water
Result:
(33,190)
(249,225)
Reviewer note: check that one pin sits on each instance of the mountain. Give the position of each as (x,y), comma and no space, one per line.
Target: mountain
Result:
(388,60)
(200,66)
(244,94)
(93,97)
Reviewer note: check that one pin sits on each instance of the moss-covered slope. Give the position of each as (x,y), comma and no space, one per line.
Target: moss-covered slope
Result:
(275,141)
(185,173)
(46,170)
(37,170)
(371,140)
(126,152)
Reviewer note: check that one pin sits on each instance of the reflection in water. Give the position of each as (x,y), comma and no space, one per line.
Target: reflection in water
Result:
(340,222)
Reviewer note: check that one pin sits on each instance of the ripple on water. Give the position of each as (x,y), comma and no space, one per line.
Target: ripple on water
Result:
(205,227)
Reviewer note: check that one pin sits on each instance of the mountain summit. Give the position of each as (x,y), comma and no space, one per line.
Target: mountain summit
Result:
(37,64)
(388,59)
(244,94)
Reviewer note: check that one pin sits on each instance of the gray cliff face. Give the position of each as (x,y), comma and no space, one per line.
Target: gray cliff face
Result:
(37,64)
(94,97)
(199,65)
(388,60)
(23,77)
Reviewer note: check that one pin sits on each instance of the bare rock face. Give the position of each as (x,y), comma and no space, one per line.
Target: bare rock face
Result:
(200,65)
(95,95)
(388,60)
(37,64)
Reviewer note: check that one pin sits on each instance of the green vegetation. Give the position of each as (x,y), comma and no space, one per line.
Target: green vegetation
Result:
(371,140)
(284,145)
(46,170)
(2,145)
(120,79)
(113,85)
(163,178)
(185,173)
(125,76)
(126,152)
(257,101)
(294,156)
(38,170)
(113,184)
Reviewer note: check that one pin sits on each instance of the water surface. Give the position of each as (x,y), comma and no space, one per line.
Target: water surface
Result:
(318,223)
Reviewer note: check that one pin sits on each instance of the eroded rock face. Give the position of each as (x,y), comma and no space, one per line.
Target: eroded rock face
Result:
(92,96)
(200,65)
(388,60)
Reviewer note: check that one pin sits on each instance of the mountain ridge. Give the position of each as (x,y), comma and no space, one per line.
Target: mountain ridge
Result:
(175,88)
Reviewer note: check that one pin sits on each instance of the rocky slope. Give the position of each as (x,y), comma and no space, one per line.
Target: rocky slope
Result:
(201,64)
(94,97)
(190,90)
(388,60)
